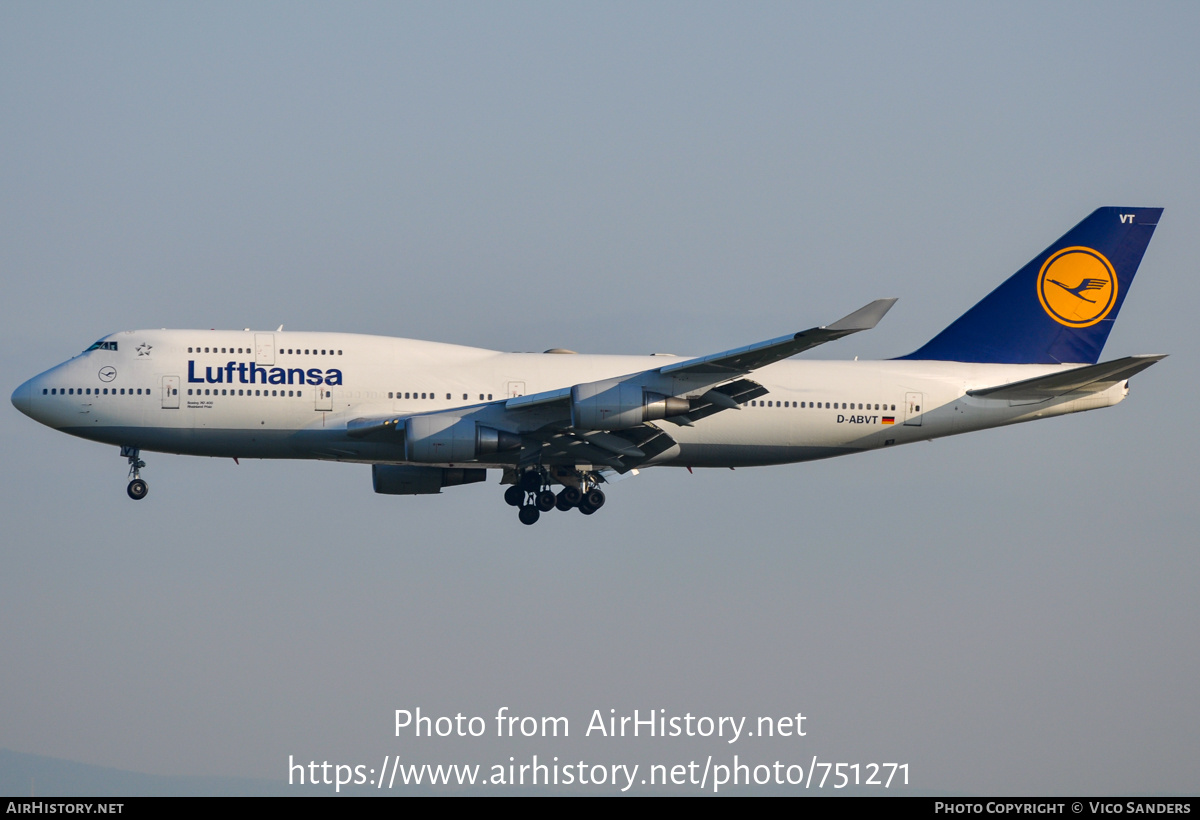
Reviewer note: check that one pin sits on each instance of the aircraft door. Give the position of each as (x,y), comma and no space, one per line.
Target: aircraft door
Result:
(170,392)
(912,408)
(264,348)
(516,389)
(324,397)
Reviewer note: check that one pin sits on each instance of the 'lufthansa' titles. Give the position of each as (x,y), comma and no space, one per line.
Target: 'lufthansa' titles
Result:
(250,373)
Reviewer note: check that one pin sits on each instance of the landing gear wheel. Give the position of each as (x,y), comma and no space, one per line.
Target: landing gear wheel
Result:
(137,488)
(594,498)
(513,496)
(585,508)
(569,497)
(546,500)
(563,502)
(531,481)
(529,514)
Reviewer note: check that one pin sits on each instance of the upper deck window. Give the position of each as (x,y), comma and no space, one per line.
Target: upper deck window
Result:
(102,346)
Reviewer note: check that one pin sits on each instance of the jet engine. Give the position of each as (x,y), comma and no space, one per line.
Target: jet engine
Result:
(614,405)
(444,439)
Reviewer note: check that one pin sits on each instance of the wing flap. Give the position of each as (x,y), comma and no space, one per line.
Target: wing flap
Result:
(1090,379)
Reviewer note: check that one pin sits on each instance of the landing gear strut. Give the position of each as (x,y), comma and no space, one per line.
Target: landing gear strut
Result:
(137,488)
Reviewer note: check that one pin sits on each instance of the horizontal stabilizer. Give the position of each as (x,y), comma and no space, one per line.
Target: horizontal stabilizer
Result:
(1091,379)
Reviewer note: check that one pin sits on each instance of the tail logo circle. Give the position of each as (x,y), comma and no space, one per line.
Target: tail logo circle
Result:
(1077,286)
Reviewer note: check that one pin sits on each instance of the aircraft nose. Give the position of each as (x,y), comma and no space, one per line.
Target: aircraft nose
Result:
(22,398)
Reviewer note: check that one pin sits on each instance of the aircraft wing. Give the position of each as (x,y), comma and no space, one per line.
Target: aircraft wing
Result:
(717,368)
(1090,379)
(608,422)
(751,357)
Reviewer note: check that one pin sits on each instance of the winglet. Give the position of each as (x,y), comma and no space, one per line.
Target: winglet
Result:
(864,318)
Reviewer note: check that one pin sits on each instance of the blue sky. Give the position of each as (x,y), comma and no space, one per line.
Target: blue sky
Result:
(1009,612)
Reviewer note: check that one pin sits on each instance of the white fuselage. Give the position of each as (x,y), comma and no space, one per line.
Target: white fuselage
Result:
(292,394)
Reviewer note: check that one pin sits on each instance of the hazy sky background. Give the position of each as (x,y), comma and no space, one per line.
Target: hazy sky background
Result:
(1012,611)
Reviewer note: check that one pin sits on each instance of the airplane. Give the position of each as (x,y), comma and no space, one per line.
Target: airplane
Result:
(427,415)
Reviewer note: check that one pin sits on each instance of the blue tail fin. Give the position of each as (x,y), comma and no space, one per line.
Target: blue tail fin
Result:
(1061,306)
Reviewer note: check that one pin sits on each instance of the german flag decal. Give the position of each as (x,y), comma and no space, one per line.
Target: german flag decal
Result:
(889,419)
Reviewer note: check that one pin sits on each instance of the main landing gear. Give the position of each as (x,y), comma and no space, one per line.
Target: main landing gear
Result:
(137,488)
(533,495)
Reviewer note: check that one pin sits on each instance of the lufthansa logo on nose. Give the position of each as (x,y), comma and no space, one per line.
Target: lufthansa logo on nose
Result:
(1077,286)
(107,374)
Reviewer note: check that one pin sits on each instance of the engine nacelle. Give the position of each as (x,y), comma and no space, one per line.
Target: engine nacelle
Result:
(445,439)
(620,405)
(397,479)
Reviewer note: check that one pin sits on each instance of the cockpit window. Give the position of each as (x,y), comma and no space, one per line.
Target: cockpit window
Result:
(102,346)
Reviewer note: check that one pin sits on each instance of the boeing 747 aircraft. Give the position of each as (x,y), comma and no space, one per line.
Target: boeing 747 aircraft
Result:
(426,415)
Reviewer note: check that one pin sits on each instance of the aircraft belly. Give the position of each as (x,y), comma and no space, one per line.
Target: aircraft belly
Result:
(225,443)
(752,455)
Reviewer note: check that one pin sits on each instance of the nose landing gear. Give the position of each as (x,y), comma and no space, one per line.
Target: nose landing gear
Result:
(137,488)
